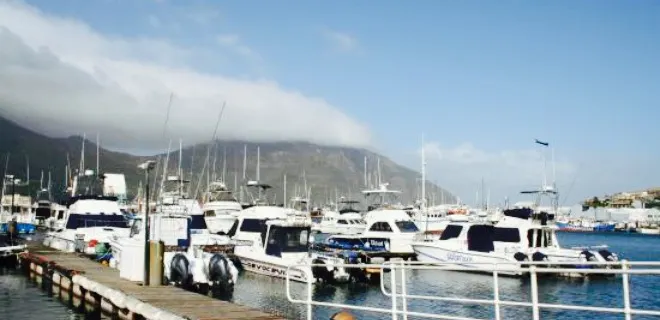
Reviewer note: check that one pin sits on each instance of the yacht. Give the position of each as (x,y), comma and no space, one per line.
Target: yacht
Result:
(345,220)
(387,225)
(186,260)
(520,235)
(91,218)
(43,209)
(278,237)
(220,208)
(16,206)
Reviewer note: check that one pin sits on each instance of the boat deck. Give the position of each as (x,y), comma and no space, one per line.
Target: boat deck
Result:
(177,301)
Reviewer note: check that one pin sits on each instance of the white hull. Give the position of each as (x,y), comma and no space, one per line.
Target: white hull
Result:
(220,224)
(65,240)
(473,260)
(273,269)
(648,230)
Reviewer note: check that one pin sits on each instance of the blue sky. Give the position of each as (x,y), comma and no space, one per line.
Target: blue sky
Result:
(480,79)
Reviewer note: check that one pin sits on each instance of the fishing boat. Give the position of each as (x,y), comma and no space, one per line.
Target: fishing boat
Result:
(345,220)
(187,261)
(520,235)
(91,218)
(277,238)
(220,208)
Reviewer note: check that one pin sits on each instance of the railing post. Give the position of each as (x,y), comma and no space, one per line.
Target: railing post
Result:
(393,287)
(404,291)
(310,278)
(535,292)
(626,289)
(496,292)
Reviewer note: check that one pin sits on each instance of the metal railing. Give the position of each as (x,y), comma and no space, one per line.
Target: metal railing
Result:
(399,309)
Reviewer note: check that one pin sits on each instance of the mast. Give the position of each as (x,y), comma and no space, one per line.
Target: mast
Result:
(180,173)
(366,183)
(284,191)
(423,205)
(258,170)
(41,181)
(98,152)
(81,170)
(27,173)
(224,163)
(244,170)
(379,181)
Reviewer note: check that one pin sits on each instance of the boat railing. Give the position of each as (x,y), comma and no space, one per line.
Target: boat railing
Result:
(400,298)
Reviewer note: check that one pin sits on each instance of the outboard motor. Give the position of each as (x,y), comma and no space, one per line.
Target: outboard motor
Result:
(222,274)
(608,256)
(538,256)
(180,270)
(588,255)
(521,257)
(321,272)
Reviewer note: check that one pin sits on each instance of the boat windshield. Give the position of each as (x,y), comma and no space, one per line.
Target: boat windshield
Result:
(222,196)
(287,240)
(76,221)
(540,238)
(407,226)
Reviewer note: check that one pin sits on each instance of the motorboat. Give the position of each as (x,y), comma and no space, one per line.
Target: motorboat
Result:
(185,262)
(346,220)
(91,218)
(16,206)
(277,238)
(387,225)
(220,208)
(520,235)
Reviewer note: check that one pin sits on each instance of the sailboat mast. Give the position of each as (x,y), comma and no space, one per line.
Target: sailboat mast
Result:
(244,171)
(284,191)
(82,155)
(366,182)
(258,170)
(423,205)
(180,173)
(41,181)
(224,163)
(379,181)
(98,151)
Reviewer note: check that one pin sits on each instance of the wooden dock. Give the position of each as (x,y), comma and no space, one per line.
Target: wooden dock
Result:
(94,288)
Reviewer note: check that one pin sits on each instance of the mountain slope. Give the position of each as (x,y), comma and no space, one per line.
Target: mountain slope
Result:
(323,168)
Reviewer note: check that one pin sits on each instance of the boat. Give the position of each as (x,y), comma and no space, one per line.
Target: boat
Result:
(520,235)
(16,206)
(277,238)
(220,208)
(387,225)
(185,263)
(345,220)
(91,218)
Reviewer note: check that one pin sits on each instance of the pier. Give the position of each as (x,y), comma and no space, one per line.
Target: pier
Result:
(96,289)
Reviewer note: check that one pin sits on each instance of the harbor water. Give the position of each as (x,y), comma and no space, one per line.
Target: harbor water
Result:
(20,299)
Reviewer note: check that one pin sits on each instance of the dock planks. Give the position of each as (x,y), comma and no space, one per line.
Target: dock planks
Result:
(172,299)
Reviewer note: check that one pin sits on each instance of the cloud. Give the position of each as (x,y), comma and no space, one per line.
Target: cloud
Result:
(60,77)
(461,169)
(233,42)
(341,42)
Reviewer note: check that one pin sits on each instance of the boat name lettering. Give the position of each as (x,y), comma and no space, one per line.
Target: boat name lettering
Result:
(377,243)
(452,256)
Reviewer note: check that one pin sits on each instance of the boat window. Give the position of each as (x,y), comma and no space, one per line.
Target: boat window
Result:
(77,220)
(287,239)
(542,238)
(222,196)
(506,234)
(209,213)
(451,231)
(381,227)
(253,225)
(480,238)
(342,222)
(407,226)
(197,222)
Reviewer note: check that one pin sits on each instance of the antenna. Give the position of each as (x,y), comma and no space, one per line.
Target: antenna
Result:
(284,191)
(180,173)
(224,163)
(258,163)
(379,172)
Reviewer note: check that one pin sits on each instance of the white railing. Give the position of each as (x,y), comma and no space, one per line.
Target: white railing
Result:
(531,269)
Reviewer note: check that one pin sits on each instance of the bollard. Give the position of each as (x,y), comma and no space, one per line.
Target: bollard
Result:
(156,266)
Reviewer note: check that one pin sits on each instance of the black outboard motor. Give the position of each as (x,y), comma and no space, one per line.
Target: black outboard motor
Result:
(179,270)
(321,272)
(220,274)
(607,255)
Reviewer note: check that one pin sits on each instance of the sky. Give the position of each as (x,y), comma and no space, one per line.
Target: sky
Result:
(472,83)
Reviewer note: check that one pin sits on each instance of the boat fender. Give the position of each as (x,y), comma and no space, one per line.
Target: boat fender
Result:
(538,256)
(607,255)
(179,269)
(220,272)
(321,272)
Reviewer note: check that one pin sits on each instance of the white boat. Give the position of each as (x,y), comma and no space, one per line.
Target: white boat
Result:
(387,225)
(185,260)
(345,220)
(279,238)
(520,235)
(220,208)
(90,219)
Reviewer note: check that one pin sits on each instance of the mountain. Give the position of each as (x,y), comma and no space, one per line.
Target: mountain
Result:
(322,168)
